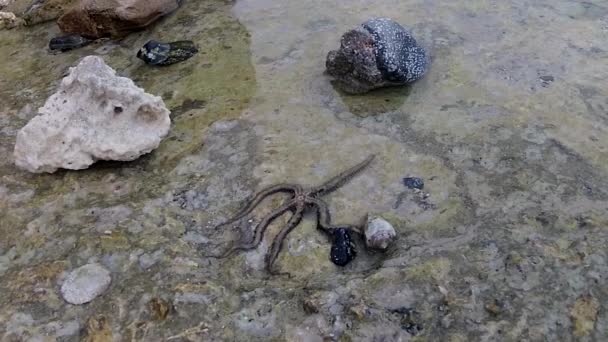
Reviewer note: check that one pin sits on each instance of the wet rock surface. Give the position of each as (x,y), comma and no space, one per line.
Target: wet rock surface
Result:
(377,54)
(93,115)
(85,283)
(515,174)
(112,18)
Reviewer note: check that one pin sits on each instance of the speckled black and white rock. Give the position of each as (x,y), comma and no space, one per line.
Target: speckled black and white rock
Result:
(85,283)
(379,53)
(342,249)
(379,233)
(157,53)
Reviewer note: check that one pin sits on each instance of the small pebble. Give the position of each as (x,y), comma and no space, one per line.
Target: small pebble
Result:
(85,283)
(379,233)
(413,183)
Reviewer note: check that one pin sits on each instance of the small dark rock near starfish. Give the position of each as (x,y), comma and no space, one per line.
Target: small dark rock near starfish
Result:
(413,182)
(302,199)
(379,53)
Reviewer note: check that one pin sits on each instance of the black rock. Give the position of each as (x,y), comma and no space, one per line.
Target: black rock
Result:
(69,42)
(413,183)
(157,53)
(378,53)
(342,249)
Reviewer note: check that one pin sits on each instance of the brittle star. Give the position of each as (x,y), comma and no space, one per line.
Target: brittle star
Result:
(302,199)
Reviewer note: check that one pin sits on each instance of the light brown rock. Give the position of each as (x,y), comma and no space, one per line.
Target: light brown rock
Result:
(114,18)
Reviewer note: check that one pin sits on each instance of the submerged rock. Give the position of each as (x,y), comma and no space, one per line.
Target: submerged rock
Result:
(113,18)
(157,53)
(94,115)
(379,233)
(413,183)
(378,53)
(68,42)
(342,248)
(85,283)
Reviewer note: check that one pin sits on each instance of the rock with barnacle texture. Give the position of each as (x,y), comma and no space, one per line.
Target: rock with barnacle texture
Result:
(379,234)
(379,53)
(94,115)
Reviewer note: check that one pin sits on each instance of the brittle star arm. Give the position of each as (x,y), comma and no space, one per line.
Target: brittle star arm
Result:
(273,189)
(324,218)
(342,178)
(275,248)
(260,229)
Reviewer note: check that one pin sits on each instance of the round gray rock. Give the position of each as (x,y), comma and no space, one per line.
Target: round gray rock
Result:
(379,233)
(85,283)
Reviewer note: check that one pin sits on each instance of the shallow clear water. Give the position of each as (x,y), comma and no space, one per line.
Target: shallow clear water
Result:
(508,245)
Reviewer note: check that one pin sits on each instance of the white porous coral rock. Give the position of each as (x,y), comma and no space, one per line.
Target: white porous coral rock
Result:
(94,115)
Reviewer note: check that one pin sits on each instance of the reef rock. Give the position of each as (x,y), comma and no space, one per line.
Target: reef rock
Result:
(379,233)
(378,53)
(85,283)
(94,115)
(114,18)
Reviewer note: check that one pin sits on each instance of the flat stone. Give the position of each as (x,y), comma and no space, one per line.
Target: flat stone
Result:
(85,283)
